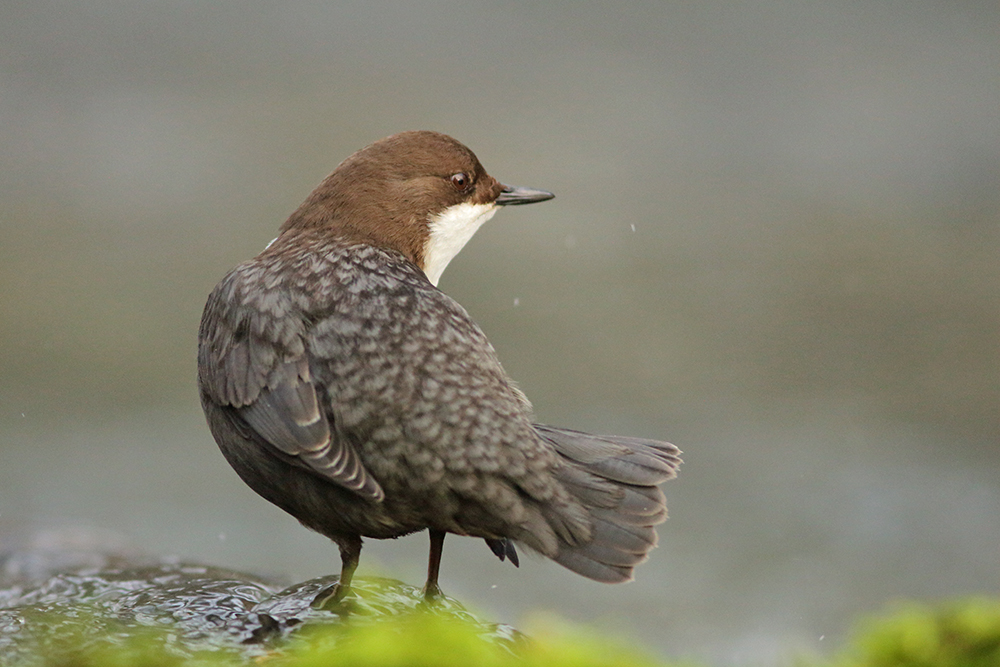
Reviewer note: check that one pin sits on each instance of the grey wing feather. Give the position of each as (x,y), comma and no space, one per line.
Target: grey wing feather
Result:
(288,414)
(276,398)
(289,418)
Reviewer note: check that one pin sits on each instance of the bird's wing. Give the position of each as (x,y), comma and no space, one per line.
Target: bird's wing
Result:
(287,415)
(252,360)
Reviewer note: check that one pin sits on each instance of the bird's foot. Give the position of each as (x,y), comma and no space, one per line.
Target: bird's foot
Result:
(331,598)
(432,593)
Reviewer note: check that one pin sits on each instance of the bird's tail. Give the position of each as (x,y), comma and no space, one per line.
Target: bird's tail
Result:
(616,479)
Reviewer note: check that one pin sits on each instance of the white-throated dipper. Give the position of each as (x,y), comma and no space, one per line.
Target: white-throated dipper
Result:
(343,386)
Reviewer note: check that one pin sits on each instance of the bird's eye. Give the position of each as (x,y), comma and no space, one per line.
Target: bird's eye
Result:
(461,181)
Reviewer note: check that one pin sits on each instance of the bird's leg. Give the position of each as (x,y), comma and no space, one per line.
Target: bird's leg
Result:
(431,589)
(350,555)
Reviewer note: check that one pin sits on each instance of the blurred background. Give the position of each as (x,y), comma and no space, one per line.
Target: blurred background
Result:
(775,243)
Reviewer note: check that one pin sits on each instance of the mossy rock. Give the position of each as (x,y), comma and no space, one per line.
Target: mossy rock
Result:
(180,614)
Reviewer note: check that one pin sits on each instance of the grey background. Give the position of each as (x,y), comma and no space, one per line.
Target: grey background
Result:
(774,243)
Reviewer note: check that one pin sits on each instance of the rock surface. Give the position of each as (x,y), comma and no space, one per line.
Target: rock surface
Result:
(114,596)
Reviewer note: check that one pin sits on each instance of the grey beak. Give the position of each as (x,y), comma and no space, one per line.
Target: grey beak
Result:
(512,196)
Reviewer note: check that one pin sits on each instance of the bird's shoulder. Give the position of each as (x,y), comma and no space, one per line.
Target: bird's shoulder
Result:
(327,300)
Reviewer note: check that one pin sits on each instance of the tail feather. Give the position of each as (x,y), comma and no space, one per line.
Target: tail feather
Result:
(585,564)
(589,489)
(570,526)
(641,519)
(609,555)
(644,501)
(609,530)
(615,479)
(616,458)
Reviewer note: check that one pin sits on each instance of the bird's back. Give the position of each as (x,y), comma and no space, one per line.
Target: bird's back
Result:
(405,379)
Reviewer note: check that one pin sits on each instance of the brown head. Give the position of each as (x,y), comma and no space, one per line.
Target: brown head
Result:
(420,193)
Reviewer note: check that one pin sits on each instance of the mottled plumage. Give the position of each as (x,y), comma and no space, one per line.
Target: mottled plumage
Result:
(345,388)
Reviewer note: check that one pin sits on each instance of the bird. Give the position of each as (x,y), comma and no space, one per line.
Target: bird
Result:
(348,390)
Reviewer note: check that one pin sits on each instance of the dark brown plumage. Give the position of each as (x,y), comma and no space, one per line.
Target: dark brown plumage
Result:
(345,388)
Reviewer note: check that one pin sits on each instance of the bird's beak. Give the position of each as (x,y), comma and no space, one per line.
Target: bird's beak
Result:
(512,195)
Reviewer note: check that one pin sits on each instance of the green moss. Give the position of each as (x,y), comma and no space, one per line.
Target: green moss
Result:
(85,639)
(427,639)
(964,633)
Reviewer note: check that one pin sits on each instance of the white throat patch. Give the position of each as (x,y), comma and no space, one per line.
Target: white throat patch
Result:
(450,231)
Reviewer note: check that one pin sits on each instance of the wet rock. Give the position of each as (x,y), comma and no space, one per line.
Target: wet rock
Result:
(198,607)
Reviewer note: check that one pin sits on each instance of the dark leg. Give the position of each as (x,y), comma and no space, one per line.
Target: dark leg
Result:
(350,555)
(431,589)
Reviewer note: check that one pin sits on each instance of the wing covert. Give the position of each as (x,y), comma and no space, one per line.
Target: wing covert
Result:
(255,362)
